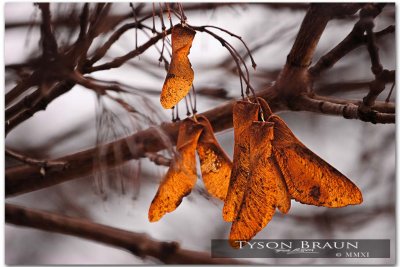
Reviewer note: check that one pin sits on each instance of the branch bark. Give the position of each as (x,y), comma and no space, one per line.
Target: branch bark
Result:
(294,78)
(35,102)
(138,244)
(353,40)
(347,111)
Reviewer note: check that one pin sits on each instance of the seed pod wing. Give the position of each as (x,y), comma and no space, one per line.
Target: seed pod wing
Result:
(181,176)
(266,189)
(180,75)
(243,114)
(215,164)
(310,180)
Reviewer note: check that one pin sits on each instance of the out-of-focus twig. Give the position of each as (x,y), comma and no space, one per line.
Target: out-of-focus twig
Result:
(36,162)
(138,244)
(353,40)
(158,159)
(117,62)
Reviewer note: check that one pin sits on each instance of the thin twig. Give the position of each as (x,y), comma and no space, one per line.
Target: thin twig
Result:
(40,102)
(154,16)
(158,159)
(169,14)
(102,50)
(235,55)
(253,62)
(377,86)
(390,93)
(49,43)
(117,62)
(36,162)
(135,17)
(353,40)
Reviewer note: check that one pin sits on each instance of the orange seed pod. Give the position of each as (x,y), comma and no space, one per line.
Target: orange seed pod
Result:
(244,113)
(181,176)
(310,180)
(266,189)
(215,164)
(180,75)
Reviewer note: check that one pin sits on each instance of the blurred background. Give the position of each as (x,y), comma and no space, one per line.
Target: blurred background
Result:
(79,119)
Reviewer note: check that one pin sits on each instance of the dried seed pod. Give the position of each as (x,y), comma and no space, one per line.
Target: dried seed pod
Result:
(310,180)
(215,164)
(181,176)
(180,75)
(244,113)
(266,188)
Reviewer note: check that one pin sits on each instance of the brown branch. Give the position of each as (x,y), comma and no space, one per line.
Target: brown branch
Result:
(113,20)
(21,87)
(117,62)
(293,79)
(34,102)
(39,102)
(367,16)
(93,84)
(382,76)
(138,244)
(381,106)
(23,179)
(347,111)
(390,93)
(49,43)
(353,40)
(59,21)
(83,22)
(43,164)
(216,93)
(341,87)
(158,159)
(377,86)
(101,51)
(311,29)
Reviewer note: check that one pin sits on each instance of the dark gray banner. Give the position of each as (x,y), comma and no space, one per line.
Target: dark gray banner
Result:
(302,248)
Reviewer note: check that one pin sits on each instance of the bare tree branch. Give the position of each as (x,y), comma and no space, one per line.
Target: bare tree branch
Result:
(158,159)
(33,161)
(26,107)
(353,40)
(294,78)
(347,111)
(138,244)
(381,106)
(117,62)
(35,102)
